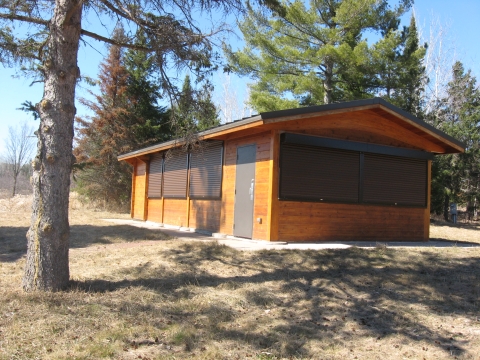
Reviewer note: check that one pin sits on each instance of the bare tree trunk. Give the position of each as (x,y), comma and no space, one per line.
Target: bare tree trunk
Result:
(48,236)
(327,83)
(15,176)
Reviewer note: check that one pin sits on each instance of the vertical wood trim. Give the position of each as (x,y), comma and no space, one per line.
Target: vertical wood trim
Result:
(188,188)
(426,219)
(132,200)
(163,208)
(225,177)
(272,231)
(161,188)
(145,193)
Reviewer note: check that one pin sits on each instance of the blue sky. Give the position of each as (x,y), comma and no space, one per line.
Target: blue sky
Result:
(461,18)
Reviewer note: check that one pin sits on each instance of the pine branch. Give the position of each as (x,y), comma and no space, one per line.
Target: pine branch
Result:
(114,42)
(28,19)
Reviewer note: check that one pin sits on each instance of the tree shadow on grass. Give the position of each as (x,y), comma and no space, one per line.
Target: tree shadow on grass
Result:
(13,241)
(375,289)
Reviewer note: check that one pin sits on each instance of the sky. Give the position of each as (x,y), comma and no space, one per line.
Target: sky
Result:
(458,18)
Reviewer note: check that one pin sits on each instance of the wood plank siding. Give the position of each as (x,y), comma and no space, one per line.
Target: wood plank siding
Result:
(302,221)
(139,192)
(205,214)
(175,212)
(155,210)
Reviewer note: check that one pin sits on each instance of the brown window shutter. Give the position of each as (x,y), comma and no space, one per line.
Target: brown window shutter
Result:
(318,174)
(155,176)
(394,180)
(141,169)
(175,175)
(206,171)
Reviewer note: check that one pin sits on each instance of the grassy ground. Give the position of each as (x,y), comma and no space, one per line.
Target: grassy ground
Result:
(165,299)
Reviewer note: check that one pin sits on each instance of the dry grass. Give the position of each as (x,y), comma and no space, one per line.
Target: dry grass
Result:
(168,299)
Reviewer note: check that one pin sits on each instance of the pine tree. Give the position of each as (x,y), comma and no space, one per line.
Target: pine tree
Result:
(411,72)
(150,121)
(195,110)
(457,177)
(314,54)
(127,117)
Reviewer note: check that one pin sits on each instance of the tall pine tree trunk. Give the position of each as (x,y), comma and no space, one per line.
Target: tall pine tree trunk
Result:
(328,82)
(48,236)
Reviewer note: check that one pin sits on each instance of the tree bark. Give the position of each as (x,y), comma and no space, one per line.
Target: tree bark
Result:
(48,237)
(15,176)
(328,82)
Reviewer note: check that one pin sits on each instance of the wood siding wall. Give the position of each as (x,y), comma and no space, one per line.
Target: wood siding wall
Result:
(139,191)
(303,221)
(262,175)
(155,210)
(205,214)
(365,126)
(175,212)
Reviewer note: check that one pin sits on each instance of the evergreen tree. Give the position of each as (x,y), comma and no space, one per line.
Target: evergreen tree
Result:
(411,72)
(457,177)
(316,53)
(195,110)
(127,117)
(150,121)
(106,134)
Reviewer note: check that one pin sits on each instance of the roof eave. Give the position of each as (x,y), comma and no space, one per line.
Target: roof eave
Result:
(206,134)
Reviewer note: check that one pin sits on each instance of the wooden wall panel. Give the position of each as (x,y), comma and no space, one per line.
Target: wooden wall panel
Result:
(175,212)
(205,214)
(365,126)
(155,210)
(262,175)
(303,221)
(426,214)
(139,193)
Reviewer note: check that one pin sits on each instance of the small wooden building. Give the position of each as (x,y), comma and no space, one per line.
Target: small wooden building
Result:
(357,170)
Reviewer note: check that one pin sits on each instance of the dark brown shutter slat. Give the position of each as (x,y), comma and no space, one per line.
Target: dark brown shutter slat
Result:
(206,171)
(318,174)
(175,175)
(394,180)
(141,169)
(155,176)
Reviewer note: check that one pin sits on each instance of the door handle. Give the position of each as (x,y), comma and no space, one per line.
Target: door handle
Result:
(250,191)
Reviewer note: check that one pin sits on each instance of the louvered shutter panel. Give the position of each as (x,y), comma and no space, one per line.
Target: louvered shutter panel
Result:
(206,171)
(141,169)
(394,180)
(318,174)
(175,175)
(155,176)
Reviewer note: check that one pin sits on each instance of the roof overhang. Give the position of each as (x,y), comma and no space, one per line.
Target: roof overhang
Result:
(378,105)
